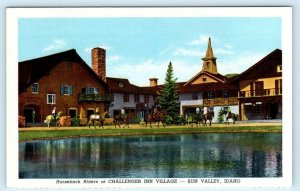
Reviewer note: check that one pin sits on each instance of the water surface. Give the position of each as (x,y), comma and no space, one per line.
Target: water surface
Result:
(155,156)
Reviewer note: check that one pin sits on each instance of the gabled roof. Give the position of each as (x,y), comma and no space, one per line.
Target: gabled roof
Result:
(31,71)
(122,85)
(217,77)
(260,65)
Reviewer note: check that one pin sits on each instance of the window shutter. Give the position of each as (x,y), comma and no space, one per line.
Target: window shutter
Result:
(71,90)
(86,89)
(97,90)
(61,90)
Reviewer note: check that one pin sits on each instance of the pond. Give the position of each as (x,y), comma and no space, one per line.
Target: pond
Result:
(154,156)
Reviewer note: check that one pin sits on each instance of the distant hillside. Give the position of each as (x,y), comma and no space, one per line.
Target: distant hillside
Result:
(231,75)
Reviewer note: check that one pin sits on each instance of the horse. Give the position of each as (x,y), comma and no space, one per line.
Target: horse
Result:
(97,117)
(50,118)
(126,118)
(196,118)
(232,116)
(157,116)
(208,116)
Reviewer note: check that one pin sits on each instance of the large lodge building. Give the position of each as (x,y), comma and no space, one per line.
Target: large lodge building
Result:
(65,81)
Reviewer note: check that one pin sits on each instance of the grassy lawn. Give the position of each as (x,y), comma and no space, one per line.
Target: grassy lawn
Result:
(57,134)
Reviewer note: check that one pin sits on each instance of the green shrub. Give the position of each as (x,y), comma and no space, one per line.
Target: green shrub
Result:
(220,116)
(137,119)
(75,121)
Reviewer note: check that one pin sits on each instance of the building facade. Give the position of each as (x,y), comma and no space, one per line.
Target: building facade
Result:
(65,81)
(260,89)
(57,81)
(208,89)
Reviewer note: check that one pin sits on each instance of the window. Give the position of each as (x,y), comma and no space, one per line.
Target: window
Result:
(92,90)
(66,90)
(194,96)
(121,85)
(204,79)
(136,98)
(207,65)
(147,98)
(50,98)
(279,68)
(35,88)
(210,95)
(126,97)
(225,94)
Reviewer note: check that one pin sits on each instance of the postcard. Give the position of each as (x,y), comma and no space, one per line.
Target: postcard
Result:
(141,97)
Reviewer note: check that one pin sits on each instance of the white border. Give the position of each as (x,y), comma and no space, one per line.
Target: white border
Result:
(13,14)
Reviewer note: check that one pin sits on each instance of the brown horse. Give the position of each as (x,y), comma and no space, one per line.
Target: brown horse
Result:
(232,116)
(208,116)
(126,118)
(157,116)
(97,117)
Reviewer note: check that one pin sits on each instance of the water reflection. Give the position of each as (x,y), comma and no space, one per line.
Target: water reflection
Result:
(163,156)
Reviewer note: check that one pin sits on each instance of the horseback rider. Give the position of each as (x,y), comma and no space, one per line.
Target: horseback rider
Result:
(204,110)
(54,113)
(156,112)
(97,110)
(197,110)
(228,112)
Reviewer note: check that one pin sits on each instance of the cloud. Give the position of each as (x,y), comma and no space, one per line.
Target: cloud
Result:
(113,58)
(139,73)
(56,44)
(240,63)
(188,52)
(184,69)
(203,39)
(223,51)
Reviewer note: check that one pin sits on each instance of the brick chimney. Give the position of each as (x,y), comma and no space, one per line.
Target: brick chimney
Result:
(153,82)
(98,62)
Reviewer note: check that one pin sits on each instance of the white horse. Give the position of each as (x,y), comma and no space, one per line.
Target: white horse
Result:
(50,118)
(97,117)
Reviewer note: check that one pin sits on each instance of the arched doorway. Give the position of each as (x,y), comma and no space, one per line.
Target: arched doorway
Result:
(32,113)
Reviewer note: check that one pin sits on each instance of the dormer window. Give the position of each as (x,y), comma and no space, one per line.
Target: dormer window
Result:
(121,85)
(204,79)
(279,68)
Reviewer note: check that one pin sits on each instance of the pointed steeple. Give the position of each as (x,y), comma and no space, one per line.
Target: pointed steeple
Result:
(209,61)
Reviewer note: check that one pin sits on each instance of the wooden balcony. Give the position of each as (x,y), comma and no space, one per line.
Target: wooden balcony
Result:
(261,93)
(220,101)
(95,97)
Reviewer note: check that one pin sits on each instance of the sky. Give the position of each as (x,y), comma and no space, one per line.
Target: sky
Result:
(141,48)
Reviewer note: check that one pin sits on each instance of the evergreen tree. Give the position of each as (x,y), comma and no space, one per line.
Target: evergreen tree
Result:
(168,99)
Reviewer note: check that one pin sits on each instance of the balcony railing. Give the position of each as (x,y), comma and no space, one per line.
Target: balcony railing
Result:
(95,97)
(220,101)
(264,92)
